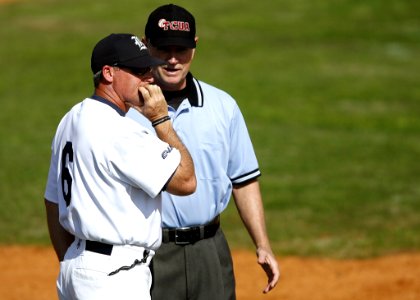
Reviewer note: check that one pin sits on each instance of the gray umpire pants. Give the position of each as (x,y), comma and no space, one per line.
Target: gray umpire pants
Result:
(199,271)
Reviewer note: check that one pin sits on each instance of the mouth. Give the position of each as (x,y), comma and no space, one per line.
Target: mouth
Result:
(171,70)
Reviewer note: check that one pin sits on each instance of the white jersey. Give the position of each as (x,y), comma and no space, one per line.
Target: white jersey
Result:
(106,175)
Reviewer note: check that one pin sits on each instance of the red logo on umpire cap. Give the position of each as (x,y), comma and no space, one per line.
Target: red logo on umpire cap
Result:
(174,25)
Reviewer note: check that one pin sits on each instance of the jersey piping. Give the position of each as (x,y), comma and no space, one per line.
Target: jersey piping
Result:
(113,105)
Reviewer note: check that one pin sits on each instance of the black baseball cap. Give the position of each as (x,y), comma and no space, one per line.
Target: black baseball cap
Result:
(171,25)
(122,49)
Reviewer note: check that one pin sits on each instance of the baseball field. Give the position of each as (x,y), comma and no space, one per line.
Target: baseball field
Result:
(30,272)
(331,95)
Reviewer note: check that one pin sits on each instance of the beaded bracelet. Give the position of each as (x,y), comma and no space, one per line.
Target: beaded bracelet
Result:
(160,121)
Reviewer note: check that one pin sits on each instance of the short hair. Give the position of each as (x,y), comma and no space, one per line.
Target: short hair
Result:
(97,78)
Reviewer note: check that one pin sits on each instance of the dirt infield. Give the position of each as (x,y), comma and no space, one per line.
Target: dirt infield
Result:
(29,273)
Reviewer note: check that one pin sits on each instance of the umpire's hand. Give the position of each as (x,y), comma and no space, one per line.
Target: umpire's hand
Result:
(269,264)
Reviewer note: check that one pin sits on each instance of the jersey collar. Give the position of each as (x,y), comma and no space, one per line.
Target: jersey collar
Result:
(107,102)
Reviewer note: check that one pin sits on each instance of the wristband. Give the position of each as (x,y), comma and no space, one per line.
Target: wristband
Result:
(160,121)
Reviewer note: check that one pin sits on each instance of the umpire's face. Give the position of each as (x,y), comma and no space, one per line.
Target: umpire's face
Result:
(171,77)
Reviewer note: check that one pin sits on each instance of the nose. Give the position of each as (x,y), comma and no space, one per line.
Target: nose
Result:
(171,58)
(148,78)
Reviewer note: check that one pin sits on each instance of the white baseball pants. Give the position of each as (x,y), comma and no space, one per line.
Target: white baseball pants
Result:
(84,275)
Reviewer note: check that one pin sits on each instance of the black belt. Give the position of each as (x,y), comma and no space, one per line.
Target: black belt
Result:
(106,249)
(99,247)
(190,235)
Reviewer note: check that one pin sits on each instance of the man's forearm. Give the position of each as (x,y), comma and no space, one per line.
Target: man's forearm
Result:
(60,238)
(249,204)
(184,179)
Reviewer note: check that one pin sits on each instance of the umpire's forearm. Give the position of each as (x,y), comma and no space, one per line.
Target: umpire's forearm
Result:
(248,201)
(60,238)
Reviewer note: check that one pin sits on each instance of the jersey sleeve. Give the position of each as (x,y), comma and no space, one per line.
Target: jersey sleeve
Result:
(243,165)
(143,161)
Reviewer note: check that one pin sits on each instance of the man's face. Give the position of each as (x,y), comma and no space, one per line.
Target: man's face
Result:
(126,84)
(172,76)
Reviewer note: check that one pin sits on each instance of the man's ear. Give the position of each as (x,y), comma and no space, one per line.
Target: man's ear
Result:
(108,73)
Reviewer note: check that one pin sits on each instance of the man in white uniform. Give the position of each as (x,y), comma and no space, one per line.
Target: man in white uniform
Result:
(103,195)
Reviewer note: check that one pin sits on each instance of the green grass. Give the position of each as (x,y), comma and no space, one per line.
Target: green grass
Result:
(330,91)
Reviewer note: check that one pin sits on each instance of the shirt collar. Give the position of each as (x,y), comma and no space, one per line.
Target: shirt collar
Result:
(193,92)
(196,96)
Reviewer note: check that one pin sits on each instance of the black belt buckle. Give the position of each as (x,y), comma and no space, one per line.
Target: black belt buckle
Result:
(190,235)
(184,236)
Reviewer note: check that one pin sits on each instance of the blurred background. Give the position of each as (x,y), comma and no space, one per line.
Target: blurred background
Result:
(329,89)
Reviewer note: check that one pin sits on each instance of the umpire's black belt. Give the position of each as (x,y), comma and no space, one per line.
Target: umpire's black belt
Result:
(190,235)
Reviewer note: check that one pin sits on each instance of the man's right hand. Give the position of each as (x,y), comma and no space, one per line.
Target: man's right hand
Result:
(154,104)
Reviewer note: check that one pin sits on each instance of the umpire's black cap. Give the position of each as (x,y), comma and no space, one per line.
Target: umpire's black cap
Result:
(171,25)
(122,49)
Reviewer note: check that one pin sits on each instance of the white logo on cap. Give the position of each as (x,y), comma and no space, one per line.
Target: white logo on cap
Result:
(139,43)
(174,25)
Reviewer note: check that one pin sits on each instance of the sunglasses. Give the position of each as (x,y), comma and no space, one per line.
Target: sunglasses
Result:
(136,71)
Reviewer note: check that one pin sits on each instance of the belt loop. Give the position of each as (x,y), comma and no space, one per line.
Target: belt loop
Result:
(165,235)
(202,229)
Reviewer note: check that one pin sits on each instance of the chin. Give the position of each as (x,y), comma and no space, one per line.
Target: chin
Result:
(170,82)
